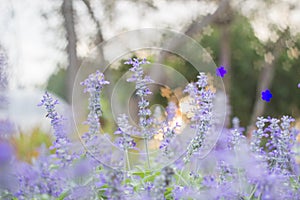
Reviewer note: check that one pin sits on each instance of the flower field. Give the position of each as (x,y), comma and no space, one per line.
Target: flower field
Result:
(262,166)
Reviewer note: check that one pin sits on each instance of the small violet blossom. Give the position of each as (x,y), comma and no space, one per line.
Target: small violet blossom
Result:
(125,129)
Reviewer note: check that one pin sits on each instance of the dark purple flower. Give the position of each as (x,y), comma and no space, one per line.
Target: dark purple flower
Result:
(221,71)
(266,95)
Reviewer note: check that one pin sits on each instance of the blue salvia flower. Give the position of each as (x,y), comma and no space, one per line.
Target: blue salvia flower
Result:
(273,186)
(171,111)
(161,183)
(236,134)
(125,130)
(280,145)
(38,179)
(113,179)
(257,137)
(279,142)
(93,85)
(142,90)
(61,143)
(202,118)
(168,136)
(168,130)
(225,172)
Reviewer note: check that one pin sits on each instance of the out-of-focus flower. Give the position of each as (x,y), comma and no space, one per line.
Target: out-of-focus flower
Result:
(6,153)
(6,128)
(113,180)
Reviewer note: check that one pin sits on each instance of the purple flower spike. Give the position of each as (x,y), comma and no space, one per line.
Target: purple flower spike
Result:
(266,95)
(61,143)
(221,71)
(298,85)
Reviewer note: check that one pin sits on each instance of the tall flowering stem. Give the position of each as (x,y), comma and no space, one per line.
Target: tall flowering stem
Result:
(61,143)
(93,85)
(125,142)
(142,91)
(279,142)
(202,118)
(168,129)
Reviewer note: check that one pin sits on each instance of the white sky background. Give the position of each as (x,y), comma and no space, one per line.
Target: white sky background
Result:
(35,45)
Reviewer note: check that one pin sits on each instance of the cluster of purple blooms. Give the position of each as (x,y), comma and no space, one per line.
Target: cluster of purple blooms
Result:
(262,168)
(202,99)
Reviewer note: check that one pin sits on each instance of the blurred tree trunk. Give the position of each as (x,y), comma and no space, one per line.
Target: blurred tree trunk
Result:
(68,14)
(265,80)
(99,36)
(196,28)
(224,21)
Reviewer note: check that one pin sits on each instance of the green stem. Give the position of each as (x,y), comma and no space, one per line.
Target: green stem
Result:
(147,151)
(127,159)
(181,172)
(239,172)
(253,192)
(180,176)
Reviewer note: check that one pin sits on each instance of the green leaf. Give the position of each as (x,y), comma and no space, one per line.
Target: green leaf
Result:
(151,178)
(62,196)
(168,193)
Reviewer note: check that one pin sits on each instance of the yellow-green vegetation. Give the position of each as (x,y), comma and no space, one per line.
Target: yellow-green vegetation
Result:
(27,144)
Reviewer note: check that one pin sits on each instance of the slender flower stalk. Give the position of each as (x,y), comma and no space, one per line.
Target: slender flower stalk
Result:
(125,142)
(93,85)
(202,119)
(168,129)
(61,143)
(142,91)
